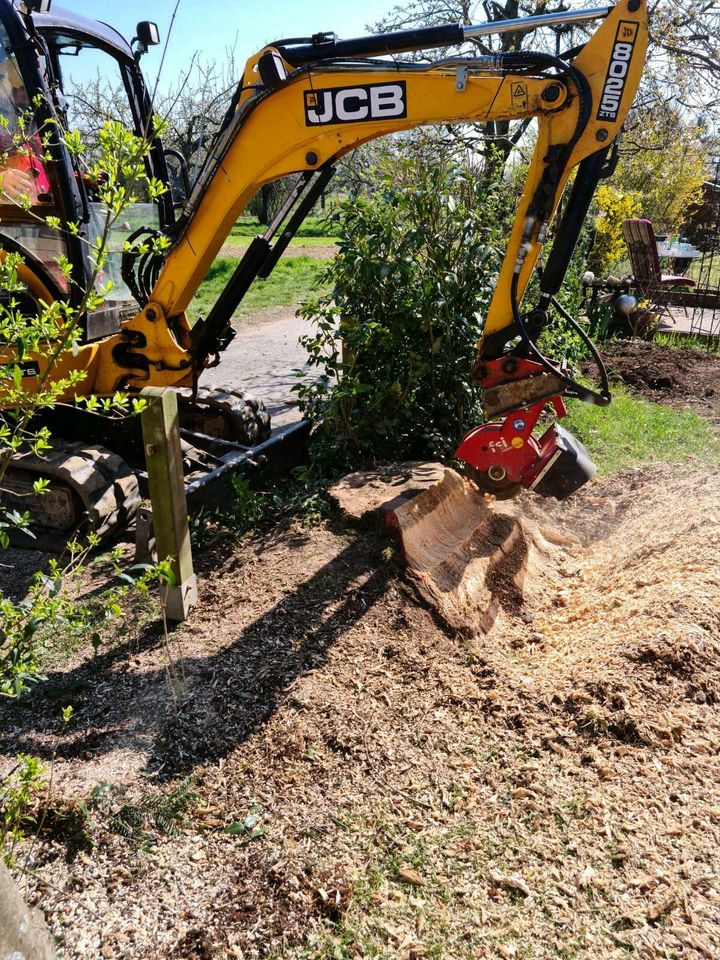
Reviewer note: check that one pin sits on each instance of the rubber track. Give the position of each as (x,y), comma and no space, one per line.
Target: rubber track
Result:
(102,482)
(246,417)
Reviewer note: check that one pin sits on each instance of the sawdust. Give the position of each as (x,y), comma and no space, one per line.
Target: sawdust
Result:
(549,789)
(650,570)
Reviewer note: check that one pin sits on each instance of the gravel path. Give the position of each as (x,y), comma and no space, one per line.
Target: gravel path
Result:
(262,359)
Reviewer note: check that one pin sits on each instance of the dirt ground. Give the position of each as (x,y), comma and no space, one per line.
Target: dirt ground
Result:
(549,790)
(679,377)
(372,783)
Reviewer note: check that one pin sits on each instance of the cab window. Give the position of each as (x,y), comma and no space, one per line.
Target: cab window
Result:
(92,92)
(91,87)
(24,179)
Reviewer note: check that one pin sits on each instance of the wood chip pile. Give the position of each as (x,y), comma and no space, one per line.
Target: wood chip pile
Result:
(375,783)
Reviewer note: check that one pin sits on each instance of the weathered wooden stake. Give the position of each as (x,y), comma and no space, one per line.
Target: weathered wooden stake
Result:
(163,456)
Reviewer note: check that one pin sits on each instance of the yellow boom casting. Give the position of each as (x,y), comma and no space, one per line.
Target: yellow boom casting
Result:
(284,133)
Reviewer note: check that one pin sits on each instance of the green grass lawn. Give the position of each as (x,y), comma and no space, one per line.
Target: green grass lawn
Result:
(291,281)
(314,232)
(693,341)
(631,432)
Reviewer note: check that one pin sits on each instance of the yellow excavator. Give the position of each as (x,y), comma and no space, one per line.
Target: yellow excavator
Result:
(301,105)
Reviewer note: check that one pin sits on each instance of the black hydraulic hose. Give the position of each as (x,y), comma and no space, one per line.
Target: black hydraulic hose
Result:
(574,389)
(595,353)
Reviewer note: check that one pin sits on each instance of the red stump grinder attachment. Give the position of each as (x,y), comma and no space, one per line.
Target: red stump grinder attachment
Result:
(505,455)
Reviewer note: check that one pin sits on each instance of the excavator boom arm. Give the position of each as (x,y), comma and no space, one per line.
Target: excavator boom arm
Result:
(318,116)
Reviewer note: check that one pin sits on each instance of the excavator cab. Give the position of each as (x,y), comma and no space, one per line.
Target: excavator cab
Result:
(47,60)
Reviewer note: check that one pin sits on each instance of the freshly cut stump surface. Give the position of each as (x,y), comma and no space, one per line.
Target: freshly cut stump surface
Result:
(380,491)
(468,554)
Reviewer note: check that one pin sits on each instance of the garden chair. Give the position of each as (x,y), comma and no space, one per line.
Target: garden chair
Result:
(651,283)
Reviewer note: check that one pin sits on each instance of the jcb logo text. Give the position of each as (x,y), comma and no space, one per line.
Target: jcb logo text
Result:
(374,101)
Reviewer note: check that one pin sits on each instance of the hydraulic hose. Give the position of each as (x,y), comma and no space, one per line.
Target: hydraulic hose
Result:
(574,389)
(400,41)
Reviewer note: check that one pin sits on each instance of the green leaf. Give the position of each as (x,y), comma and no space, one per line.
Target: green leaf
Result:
(235,828)
(41,486)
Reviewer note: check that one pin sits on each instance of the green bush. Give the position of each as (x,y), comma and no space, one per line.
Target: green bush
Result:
(18,792)
(394,342)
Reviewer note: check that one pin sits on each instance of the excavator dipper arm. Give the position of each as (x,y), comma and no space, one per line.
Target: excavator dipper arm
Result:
(303,105)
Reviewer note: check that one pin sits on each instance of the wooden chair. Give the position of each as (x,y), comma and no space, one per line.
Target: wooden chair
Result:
(651,283)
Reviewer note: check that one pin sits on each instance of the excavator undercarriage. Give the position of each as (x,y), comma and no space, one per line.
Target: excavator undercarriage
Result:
(97,484)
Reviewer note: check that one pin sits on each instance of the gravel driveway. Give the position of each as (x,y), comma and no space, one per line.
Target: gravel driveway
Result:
(262,359)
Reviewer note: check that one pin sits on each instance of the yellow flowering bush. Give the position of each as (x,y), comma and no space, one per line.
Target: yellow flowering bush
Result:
(613,207)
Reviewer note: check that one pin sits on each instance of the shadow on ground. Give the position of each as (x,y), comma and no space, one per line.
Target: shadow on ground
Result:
(230,692)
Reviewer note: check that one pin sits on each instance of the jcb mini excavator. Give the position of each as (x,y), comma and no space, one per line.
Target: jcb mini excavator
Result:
(300,105)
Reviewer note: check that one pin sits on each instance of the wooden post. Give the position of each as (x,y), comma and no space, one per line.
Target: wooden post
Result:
(163,456)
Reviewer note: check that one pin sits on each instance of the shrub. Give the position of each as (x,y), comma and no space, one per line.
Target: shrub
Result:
(613,207)
(18,792)
(394,342)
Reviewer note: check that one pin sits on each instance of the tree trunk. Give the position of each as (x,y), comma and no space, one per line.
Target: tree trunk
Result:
(265,193)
